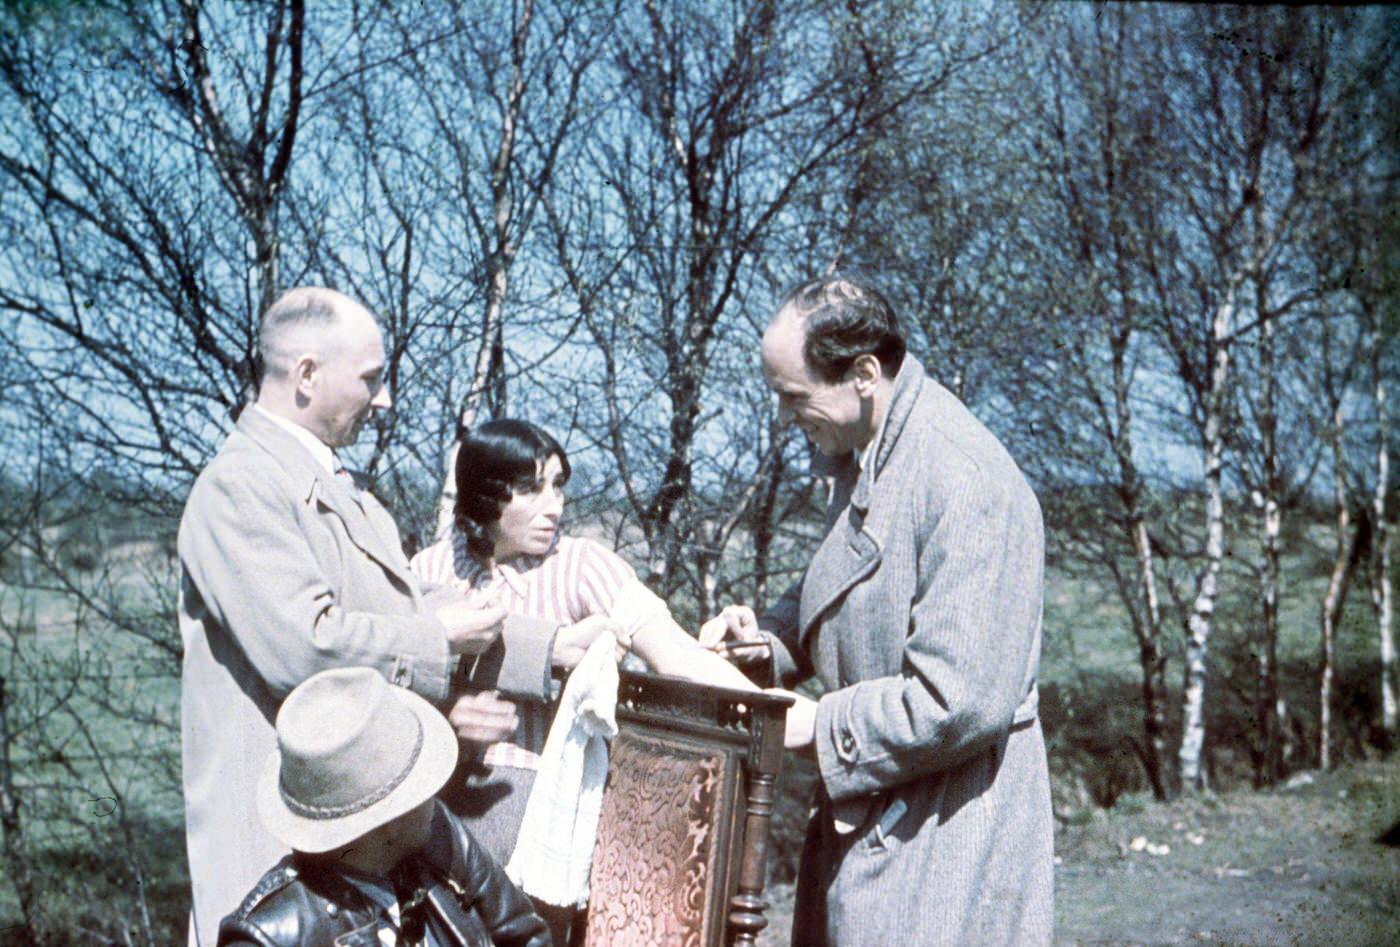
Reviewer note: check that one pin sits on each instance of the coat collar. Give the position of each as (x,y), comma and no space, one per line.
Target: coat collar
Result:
(289,452)
(317,485)
(907,382)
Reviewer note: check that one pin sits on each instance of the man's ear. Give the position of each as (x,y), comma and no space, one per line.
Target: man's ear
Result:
(865,372)
(306,371)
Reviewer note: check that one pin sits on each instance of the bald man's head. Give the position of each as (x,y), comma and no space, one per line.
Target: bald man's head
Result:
(308,318)
(322,363)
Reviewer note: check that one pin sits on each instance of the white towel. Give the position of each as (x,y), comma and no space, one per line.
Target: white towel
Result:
(555,847)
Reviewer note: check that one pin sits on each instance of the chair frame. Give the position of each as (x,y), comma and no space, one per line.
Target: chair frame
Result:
(679,728)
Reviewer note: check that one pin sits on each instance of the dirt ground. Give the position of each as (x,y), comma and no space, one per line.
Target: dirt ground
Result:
(1315,863)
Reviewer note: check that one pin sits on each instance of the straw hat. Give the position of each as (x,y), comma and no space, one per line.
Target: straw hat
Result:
(353,752)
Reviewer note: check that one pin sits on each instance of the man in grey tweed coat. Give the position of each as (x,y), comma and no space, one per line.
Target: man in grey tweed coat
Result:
(920,616)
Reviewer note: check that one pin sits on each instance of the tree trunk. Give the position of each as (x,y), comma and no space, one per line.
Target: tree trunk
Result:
(1153,664)
(1336,592)
(1270,763)
(1380,547)
(1193,727)
(16,859)
(1151,660)
(487,374)
(765,525)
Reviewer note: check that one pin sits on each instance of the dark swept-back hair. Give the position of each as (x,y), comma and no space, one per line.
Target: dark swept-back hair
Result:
(496,459)
(843,321)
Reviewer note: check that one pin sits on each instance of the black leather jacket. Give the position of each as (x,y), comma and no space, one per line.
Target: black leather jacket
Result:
(305,902)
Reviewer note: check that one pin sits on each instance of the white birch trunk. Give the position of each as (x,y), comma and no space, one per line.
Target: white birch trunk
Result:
(1153,665)
(1336,592)
(498,263)
(1267,702)
(1154,691)
(1380,559)
(1193,729)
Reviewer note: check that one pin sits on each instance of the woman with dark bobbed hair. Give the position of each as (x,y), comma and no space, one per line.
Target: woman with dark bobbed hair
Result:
(505,544)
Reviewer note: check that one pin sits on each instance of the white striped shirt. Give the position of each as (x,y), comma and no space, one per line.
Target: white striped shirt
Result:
(575,579)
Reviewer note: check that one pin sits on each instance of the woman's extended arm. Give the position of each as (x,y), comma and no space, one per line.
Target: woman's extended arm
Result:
(607,585)
(667,649)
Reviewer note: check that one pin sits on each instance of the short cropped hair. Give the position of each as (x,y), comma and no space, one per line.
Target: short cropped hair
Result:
(306,307)
(843,321)
(495,460)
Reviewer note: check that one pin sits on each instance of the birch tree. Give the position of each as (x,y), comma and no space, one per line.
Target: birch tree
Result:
(1338,362)
(1100,140)
(1231,230)
(719,127)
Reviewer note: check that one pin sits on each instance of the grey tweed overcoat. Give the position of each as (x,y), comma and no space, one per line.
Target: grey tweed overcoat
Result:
(920,613)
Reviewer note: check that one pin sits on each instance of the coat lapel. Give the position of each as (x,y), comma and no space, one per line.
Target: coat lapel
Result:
(339,499)
(850,553)
(323,489)
(845,557)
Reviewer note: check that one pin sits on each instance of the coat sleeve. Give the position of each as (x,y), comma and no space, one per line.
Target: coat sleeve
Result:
(250,565)
(973,637)
(519,663)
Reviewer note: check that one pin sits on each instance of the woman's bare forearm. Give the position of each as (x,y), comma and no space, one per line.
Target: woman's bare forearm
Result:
(668,650)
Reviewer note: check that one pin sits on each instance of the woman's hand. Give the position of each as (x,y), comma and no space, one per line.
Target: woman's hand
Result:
(572,641)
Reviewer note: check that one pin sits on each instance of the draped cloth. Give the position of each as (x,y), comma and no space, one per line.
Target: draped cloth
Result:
(555,847)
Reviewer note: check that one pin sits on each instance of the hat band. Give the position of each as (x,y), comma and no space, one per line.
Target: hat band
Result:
(308,811)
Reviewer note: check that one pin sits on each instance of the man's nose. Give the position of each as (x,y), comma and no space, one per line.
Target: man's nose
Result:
(381,400)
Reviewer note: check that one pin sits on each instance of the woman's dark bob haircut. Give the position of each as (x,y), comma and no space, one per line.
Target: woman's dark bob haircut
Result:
(495,460)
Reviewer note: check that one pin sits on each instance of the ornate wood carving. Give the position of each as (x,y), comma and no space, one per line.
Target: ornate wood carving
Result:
(683,836)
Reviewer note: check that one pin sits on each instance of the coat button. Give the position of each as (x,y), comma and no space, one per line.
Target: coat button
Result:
(848,743)
(331,909)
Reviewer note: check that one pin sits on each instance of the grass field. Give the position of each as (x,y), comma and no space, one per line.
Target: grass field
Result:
(96,761)
(1316,864)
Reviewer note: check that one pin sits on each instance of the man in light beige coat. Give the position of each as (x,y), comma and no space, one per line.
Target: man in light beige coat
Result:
(289,568)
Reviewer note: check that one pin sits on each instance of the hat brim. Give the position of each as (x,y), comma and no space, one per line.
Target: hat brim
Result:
(436,760)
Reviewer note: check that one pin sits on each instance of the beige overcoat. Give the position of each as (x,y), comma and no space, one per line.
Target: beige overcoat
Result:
(286,570)
(920,614)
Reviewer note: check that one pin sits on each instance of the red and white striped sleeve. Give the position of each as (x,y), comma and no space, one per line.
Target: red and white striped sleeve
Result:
(607,585)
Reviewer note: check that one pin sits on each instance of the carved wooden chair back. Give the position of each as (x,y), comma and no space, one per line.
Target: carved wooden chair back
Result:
(683,836)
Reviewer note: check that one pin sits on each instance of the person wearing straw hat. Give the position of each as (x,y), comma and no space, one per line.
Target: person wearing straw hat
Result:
(376,859)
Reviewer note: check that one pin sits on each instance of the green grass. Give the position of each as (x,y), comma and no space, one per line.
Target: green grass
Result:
(1250,851)
(1290,866)
(94,714)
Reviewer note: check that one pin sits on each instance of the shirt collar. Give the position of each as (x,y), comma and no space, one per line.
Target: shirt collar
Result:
(865,458)
(323,454)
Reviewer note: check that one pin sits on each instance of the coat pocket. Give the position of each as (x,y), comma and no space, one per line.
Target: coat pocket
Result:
(904,812)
